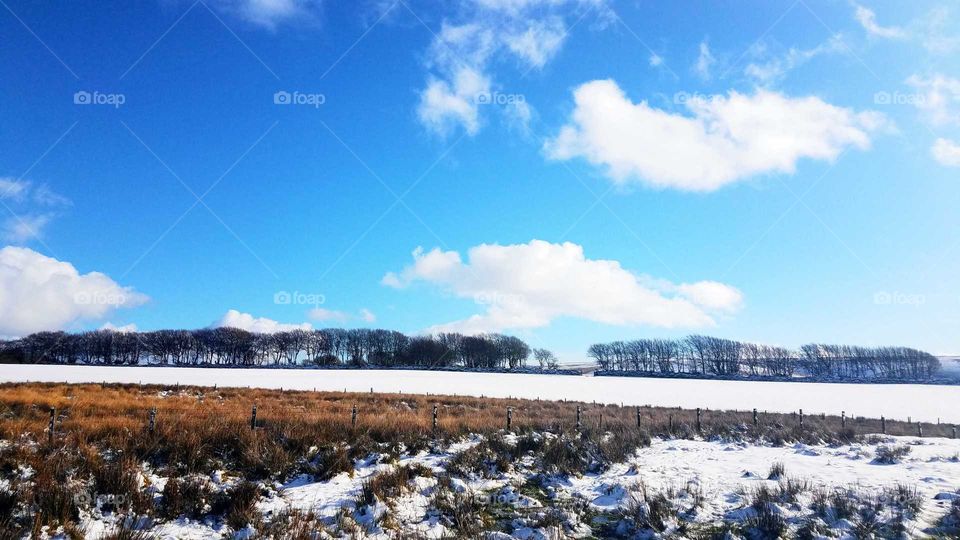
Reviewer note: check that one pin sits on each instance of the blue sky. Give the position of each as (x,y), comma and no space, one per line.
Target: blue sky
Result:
(573,170)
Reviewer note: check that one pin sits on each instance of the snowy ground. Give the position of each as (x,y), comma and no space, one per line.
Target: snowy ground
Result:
(925,403)
(727,474)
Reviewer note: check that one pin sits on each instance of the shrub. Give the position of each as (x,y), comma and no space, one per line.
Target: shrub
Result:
(777,471)
(891,455)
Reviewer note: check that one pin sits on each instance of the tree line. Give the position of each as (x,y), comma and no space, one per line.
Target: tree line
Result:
(699,354)
(237,347)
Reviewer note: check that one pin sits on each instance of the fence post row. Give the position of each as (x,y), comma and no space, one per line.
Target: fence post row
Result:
(53,423)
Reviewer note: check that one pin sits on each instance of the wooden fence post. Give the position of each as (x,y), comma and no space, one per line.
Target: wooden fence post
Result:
(153,420)
(883,425)
(434,417)
(638,417)
(253,418)
(353,417)
(578,418)
(509,417)
(919,429)
(53,424)
(801,417)
(755,422)
(670,423)
(698,420)
(843,418)
(954,432)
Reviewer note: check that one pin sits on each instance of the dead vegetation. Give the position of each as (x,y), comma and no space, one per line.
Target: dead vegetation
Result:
(102,436)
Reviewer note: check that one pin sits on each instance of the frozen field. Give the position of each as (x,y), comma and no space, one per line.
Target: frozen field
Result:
(926,403)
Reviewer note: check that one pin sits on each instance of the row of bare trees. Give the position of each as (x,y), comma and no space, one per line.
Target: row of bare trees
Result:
(236,347)
(699,354)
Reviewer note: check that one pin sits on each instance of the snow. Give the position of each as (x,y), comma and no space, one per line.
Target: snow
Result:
(728,472)
(925,403)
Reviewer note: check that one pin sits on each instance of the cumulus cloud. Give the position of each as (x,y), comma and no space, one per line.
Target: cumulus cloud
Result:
(530,285)
(260,325)
(868,20)
(938,98)
(42,293)
(722,140)
(946,152)
(464,51)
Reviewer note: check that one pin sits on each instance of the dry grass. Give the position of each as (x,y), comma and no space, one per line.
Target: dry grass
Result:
(102,436)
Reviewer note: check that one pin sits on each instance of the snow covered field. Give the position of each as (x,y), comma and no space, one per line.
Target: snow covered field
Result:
(705,482)
(925,403)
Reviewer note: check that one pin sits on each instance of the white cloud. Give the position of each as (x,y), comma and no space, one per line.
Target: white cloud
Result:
(655,60)
(261,325)
(326,315)
(367,316)
(126,328)
(530,285)
(705,61)
(444,105)
(712,295)
(20,229)
(270,13)
(868,20)
(774,69)
(11,188)
(33,208)
(724,139)
(938,31)
(539,42)
(462,55)
(41,293)
(938,99)
(946,152)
